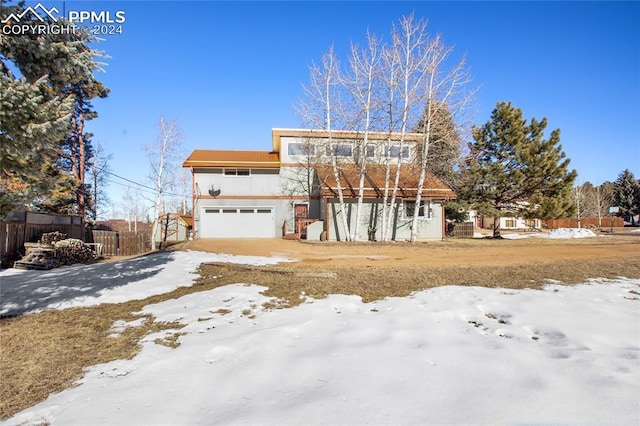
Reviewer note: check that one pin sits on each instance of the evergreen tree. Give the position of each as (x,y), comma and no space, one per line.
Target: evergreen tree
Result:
(30,121)
(626,196)
(514,171)
(68,63)
(444,151)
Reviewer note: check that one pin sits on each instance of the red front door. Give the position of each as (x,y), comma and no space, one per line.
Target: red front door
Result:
(300,211)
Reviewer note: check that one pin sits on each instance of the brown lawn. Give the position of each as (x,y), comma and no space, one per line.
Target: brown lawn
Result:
(46,352)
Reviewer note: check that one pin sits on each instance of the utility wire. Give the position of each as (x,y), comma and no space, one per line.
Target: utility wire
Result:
(142,185)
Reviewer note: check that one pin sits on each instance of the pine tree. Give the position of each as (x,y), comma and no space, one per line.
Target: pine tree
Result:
(626,196)
(444,151)
(30,121)
(513,170)
(68,63)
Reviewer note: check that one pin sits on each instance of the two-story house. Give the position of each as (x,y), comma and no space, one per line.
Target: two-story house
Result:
(266,194)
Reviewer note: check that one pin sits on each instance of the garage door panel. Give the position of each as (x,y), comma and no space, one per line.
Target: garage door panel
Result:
(237,222)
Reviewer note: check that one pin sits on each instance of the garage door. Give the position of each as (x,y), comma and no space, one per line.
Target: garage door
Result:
(237,222)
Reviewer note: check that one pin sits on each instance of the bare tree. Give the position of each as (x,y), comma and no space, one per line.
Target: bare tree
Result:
(362,85)
(322,100)
(389,88)
(579,197)
(134,209)
(445,89)
(408,64)
(163,158)
(98,172)
(602,197)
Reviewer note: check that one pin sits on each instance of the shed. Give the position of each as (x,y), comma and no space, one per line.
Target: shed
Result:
(174,227)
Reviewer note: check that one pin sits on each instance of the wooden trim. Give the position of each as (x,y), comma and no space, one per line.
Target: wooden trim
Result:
(328,218)
(258,197)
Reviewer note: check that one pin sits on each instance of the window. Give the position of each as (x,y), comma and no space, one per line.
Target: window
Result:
(394,151)
(509,223)
(531,223)
(425,212)
(237,172)
(300,149)
(340,150)
(370,151)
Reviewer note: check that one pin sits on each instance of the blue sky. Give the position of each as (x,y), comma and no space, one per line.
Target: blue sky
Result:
(229,72)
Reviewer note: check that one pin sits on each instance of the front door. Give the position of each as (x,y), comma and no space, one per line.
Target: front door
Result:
(300,212)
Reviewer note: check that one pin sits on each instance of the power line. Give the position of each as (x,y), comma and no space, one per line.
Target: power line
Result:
(155,191)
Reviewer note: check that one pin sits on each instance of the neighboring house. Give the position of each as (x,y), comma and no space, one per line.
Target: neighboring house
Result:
(292,190)
(509,223)
(174,227)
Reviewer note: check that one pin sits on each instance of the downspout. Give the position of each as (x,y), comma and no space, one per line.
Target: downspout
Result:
(444,222)
(193,201)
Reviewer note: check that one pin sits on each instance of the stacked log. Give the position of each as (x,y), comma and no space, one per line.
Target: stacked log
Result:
(44,255)
(72,250)
(38,257)
(52,237)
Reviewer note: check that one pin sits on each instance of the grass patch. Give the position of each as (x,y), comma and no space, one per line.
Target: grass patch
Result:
(47,352)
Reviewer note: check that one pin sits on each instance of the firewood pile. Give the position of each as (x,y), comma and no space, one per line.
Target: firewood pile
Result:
(72,250)
(54,249)
(52,237)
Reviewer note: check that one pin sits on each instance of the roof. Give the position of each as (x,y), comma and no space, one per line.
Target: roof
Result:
(277,134)
(433,187)
(185,218)
(223,158)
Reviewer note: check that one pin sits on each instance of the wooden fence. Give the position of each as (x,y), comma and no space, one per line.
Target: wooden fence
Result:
(122,243)
(463,230)
(24,227)
(587,222)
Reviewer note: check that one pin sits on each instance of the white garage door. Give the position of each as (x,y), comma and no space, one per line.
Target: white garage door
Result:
(237,222)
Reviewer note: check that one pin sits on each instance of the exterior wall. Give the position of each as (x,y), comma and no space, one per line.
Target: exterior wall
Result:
(260,182)
(428,228)
(320,154)
(178,230)
(518,223)
(278,189)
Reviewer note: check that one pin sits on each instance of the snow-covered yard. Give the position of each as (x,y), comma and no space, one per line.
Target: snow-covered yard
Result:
(449,355)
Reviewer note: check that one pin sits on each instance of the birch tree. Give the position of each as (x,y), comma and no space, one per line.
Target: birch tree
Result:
(322,101)
(445,89)
(163,158)
(406,56)
(579,195)
(364,72)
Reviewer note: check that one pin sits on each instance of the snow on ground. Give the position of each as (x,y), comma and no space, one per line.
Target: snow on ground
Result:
(449,355)
(554,234)
(24,291)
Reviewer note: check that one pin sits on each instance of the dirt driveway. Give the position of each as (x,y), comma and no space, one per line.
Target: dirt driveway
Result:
(451,252)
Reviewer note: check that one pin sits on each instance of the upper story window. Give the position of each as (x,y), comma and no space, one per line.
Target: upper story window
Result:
(394,151)
(370,151)
(237,172)
(340,150)
(300,149)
